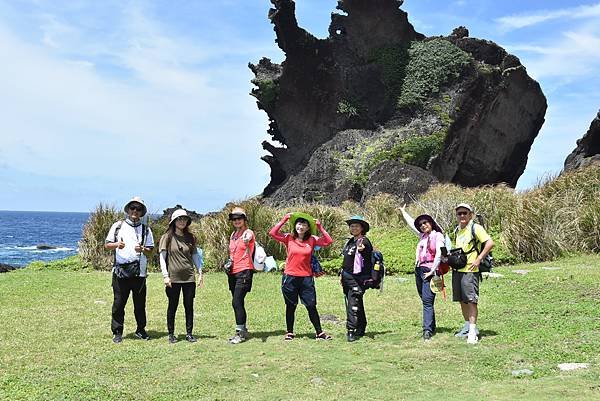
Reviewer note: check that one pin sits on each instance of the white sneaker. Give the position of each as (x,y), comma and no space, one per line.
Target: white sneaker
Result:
(472,337)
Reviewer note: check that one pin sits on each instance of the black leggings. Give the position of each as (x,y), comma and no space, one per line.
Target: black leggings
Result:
(189,293)
(313,315)
(239,285)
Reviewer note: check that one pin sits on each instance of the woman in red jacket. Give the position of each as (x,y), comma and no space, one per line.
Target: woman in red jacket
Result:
(298,280)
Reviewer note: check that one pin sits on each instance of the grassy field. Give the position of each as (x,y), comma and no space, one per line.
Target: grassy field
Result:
(55,342)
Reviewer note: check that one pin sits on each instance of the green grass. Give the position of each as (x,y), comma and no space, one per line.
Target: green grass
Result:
(55,342)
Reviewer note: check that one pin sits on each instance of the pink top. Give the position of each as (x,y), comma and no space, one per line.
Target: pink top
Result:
(427,248)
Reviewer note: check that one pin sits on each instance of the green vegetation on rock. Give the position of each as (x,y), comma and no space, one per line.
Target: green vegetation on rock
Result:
(431,64)
(349,108)
(413,74)
(267,92)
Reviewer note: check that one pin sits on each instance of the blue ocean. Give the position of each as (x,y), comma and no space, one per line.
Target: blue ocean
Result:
(21,233)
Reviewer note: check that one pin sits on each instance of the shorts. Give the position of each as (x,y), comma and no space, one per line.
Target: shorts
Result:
(465,287)
(293,287)
(241,281)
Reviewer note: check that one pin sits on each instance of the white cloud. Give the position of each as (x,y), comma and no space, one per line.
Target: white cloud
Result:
(64,116)
(525,20)
(572,55)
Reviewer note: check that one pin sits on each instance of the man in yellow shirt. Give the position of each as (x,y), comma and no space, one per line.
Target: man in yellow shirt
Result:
(465,281)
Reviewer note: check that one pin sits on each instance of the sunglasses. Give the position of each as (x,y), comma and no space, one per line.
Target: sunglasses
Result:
(136,208)
(462,213)
(424,222)
(182,218)
(237,218)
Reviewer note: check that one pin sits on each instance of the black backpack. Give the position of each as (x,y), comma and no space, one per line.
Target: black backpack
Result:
(378,271)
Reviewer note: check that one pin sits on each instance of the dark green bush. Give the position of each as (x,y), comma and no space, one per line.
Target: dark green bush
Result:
(431,64)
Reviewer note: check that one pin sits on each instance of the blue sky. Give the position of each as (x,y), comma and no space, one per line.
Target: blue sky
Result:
(102,100)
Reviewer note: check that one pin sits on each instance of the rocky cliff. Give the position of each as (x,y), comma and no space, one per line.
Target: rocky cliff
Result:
(378,107)
(588,148)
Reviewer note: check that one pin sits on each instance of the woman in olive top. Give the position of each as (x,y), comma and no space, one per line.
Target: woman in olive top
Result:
(298,280)
(178,257)
(241,249)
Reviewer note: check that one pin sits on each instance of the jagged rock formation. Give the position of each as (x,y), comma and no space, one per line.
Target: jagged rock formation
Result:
(169,211)
(588,148)
(377,107)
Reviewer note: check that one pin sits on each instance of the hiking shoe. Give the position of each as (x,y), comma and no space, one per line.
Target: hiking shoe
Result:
(190,338)
(323,336)
(172,338)
(118,338)
(427,335)
(472,338)
(239,337)
(463,332)
(289,337)
(359,332)
(351,336)
(141,334)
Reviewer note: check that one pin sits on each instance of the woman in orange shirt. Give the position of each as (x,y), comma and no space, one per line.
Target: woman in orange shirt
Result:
(298,280)
(241,249)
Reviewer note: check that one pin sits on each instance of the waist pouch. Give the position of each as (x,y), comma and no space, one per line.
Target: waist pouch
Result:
(457,258)
(128,270)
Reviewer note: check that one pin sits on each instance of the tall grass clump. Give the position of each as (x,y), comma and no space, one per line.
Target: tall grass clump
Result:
(559,217)
(91,245)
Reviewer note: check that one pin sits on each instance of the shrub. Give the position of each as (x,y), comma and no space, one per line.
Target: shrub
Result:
(91,246)
(71,263)
(349,108)
(431,64)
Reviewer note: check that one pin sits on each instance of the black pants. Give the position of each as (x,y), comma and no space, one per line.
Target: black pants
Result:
(189,293)
(293,287)
(239,285)
(356,319)
(121,289)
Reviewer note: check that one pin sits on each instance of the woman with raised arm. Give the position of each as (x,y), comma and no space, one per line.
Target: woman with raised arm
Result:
(427,260)
(298,280)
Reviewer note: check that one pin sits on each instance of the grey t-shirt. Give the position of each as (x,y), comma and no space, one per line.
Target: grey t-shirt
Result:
(179,259)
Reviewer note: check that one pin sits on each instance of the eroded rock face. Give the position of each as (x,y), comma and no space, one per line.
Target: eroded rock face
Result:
(367,110)
(587,151)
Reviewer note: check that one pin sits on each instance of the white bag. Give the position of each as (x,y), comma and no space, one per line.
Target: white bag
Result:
(270,264)
(259,257)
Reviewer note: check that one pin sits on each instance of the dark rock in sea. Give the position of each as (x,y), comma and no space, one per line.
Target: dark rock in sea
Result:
(45,246)
(587,151)
(378,107)
(4,268)
(169,211)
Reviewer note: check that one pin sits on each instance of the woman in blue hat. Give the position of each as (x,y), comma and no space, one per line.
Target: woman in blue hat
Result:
(356,272)
(298,280)
(427,260)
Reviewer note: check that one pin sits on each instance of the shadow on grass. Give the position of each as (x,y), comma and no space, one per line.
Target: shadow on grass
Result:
(263,335)
(373,334)
(163,334)
(487,333)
